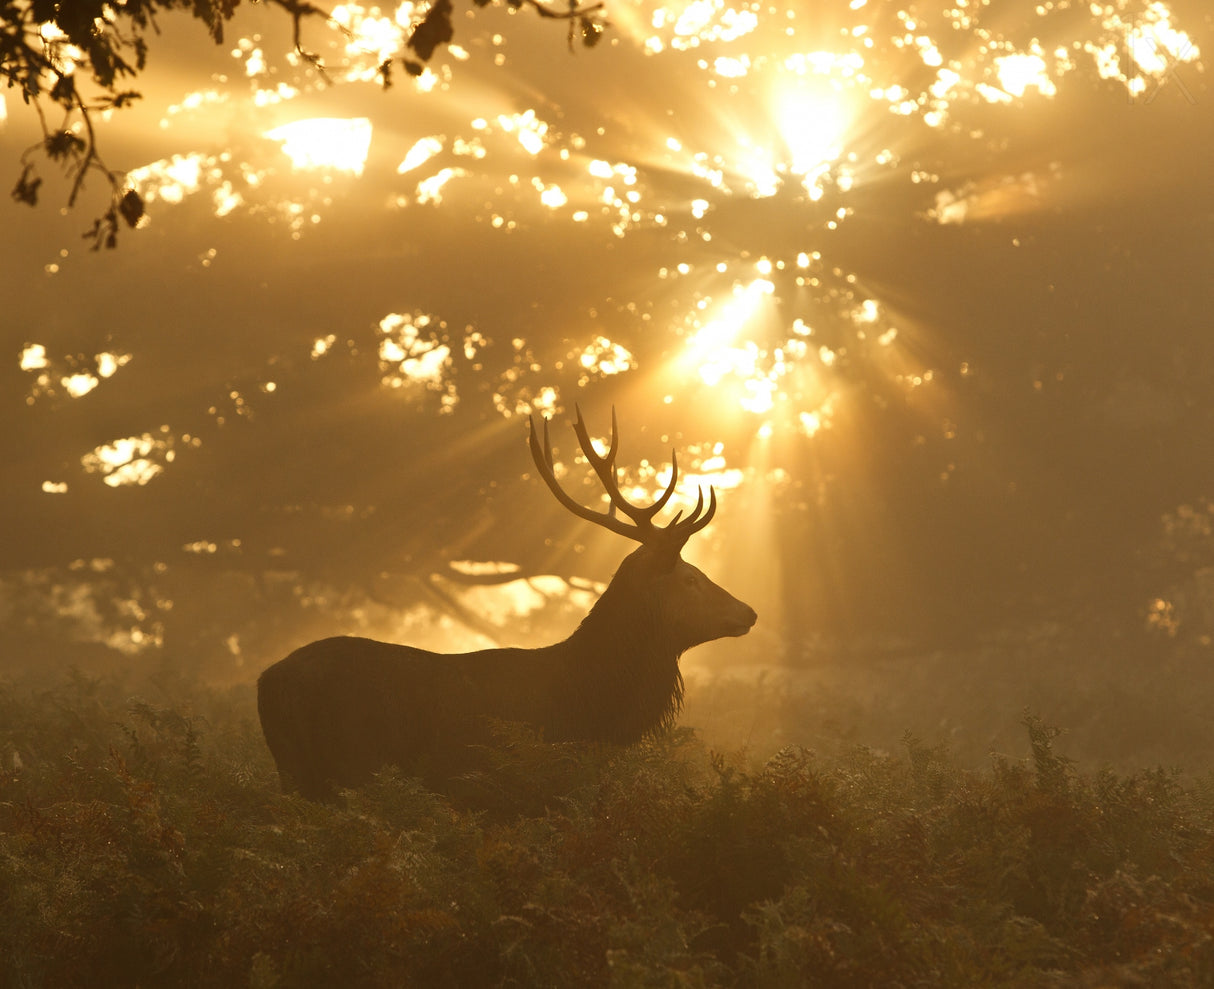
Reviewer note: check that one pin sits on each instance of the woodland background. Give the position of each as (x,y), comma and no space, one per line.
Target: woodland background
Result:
(292,403)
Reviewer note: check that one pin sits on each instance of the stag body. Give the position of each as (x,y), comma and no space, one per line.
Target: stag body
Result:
(337,710)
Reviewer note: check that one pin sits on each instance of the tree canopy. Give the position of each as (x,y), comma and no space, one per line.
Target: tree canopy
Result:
(51,52)
(905,288)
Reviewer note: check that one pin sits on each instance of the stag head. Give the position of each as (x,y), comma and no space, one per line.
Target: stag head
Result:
(689,608)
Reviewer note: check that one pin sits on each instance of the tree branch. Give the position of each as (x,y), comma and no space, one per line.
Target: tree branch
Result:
(34,58)
(562,15)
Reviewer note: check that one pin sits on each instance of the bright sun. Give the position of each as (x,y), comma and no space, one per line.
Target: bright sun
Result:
(326,142)
(780,123)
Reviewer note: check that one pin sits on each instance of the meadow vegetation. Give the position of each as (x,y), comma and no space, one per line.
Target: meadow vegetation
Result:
(144,841)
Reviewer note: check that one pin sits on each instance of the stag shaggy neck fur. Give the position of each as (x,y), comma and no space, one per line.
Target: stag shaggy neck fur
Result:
(623,664)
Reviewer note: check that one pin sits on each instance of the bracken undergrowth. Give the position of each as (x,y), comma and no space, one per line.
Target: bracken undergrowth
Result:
(144,842)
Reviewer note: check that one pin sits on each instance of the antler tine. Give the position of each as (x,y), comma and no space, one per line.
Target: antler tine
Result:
(603,464)
(544,464)
(695,521)
(676,532)
(547,441)
(664,497)
(607,471)
(681,529)
(615,435)
(615,471)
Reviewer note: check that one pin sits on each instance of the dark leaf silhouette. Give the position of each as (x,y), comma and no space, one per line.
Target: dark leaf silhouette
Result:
(64,90)
(131,207)
(108,44)
(433,31)
(26,189)
(124,99)
(63,144)
(592,32)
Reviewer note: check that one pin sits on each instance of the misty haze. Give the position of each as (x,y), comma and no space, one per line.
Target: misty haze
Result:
(918,298)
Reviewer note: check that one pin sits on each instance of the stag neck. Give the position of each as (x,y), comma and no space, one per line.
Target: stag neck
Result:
(627,677)
(624,627)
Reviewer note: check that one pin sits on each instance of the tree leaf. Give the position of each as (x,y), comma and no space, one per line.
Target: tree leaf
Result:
(131,207)
(64,89)
(63,143)
(592,31)
(26,189)
(434,30)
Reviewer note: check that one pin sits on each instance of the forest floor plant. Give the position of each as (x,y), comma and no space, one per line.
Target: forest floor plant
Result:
(144,841)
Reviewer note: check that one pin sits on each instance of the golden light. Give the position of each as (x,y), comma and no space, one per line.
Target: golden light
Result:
(33,357)
(1019,71)
(67,377)
(421,152)
(1155,46)
(714,350)
(779,119)
(697,22)
(370,38)
(132,459)
(812,126)
(991,198)
(80,383)
(530,130)
(170,180)
(811,422)
(552,196)
(412,354)
(603,358)
(775,344)
(430,189)
(326,142)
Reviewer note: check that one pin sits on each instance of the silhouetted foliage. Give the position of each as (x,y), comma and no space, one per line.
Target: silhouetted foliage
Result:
(143,841)
(434,29)
(46,48)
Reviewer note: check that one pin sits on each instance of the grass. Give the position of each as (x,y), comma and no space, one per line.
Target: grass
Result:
(144,841)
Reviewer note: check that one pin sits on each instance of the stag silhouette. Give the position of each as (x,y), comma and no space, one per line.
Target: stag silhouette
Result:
(339,709)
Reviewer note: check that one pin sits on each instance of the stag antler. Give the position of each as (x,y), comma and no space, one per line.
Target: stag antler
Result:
(643,529)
